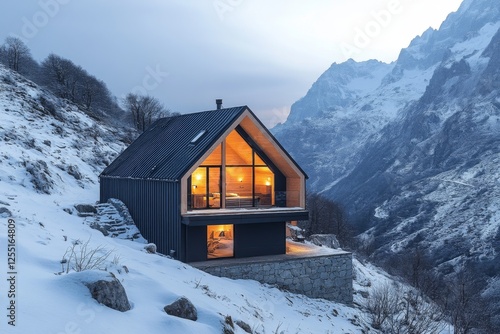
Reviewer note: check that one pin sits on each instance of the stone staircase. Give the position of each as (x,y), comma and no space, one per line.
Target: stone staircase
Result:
(114,220)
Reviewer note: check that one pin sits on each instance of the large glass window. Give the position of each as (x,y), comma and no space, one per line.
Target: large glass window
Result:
(264,185)
(249,182)
(205,186)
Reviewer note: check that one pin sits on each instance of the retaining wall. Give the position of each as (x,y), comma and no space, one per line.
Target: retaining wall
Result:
(327,276)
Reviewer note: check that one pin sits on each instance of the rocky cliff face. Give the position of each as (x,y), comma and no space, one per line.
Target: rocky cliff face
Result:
(414,158)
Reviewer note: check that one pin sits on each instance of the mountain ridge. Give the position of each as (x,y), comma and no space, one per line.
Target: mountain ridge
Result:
(426,177)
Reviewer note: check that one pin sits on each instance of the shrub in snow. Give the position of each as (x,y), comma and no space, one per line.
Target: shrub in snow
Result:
(150,248)
(7,78)
(40,176)
(395,310)
(80,256)
(110,293)
(48,107)
(182,308)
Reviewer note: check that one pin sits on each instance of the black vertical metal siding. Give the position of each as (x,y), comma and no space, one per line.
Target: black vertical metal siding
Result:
(259,239)
(155,207)
(196,243)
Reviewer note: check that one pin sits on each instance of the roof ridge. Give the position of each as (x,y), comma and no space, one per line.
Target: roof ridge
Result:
(205,111)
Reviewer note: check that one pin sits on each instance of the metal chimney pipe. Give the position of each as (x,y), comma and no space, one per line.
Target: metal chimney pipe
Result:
(218,102)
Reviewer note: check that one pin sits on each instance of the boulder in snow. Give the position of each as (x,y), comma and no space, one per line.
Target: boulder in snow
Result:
(182,308)
(150,248)
(85,210)
(5,213)
(327,240)
(110,293)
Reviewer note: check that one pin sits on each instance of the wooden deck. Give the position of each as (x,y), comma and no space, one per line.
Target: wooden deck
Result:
(294,250)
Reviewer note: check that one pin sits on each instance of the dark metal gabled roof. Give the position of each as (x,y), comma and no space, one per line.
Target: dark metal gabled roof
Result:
(164,151)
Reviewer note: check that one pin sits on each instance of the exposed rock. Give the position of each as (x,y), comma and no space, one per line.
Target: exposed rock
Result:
(182,308)
(75,172)
(150,248)
(98,227)
(296,233)
(110,293)
(228,325)
(243,325)
(5,213)
(327,240)
(40,176)
(85,210)
(68,210)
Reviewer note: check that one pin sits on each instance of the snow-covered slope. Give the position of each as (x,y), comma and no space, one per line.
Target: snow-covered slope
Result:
(50,156)
(423,174)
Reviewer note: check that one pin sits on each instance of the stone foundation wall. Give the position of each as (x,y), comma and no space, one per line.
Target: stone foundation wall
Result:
(329,277)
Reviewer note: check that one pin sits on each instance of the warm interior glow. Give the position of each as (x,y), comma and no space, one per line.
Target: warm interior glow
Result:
(248,180)
(220,241)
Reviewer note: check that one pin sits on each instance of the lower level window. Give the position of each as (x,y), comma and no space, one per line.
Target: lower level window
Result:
(220,241)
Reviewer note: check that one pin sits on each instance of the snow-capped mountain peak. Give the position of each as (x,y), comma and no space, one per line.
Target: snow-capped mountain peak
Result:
(414,160)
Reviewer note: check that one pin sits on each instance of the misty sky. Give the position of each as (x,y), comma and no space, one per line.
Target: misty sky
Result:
(262,53)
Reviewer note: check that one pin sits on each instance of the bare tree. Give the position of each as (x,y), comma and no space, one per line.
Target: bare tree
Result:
(59,76)
(382,304)
(72,82)
(326,217)
(464,303)
(144,110)
(396,311)
(15,53)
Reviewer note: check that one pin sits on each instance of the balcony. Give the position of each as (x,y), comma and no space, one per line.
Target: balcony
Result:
(277,199)
(247,210)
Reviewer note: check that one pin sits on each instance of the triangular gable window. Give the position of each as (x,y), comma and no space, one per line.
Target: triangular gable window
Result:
(234,179)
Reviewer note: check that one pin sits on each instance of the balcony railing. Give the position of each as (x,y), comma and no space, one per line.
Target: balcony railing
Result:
(236,201)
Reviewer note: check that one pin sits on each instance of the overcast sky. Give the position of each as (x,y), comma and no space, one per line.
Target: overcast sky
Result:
(262,53)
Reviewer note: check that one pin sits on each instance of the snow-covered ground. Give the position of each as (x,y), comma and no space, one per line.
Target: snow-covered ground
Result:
(50,302)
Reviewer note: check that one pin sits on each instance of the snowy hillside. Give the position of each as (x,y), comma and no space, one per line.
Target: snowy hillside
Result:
(50,156)
(415,160)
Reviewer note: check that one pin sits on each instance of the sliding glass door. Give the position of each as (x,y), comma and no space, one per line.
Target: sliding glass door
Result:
(205,184)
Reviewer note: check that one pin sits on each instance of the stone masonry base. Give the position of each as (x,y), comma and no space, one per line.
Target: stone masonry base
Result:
(327,276)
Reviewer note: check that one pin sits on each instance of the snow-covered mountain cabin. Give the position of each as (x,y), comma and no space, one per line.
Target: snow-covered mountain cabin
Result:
(209,185)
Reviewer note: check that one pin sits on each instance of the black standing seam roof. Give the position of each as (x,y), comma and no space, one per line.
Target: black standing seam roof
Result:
(164,151)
